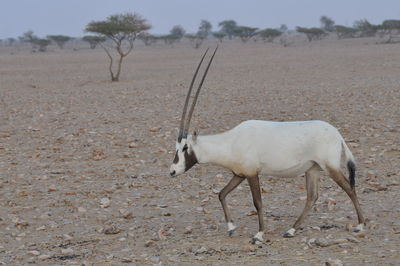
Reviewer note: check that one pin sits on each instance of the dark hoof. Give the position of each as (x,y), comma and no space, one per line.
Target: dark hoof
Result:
(357,231)
(231,232)
(287,235)
(255,240)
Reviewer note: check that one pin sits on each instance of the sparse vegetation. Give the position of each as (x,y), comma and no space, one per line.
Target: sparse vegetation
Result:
(195,39)
(122,30)
(228,27)
(365,28)
(219,35)
(312,33)
(177,32)
(204,29)
(343,32)
(269,35)
(60,40)
(327,24)
(245,33)
(93,40)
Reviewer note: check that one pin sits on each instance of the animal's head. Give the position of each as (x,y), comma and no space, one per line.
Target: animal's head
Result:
(185,156)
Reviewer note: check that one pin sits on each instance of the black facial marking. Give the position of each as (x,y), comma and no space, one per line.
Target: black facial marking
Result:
(190,160)
(176,158)
(185,148)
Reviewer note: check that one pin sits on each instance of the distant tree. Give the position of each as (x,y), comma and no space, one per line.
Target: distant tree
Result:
(245,33)
(283,28)
(390,27)
(177,32)
(93,40)
(36,42)
(42,44)
(121,29)
(219,35)
(327,24)
(169,39)
(312,33)
(195,39)
(28,36)
(147,38)
(228,27)
(60,40)
(268,35)
(365,28)
(204,28)
(343,32)
(11,41)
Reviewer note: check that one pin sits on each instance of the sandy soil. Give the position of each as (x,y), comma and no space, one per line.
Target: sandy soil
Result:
(84,161)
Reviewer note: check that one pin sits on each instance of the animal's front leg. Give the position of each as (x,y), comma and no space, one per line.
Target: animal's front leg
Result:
(235,181)
(256,193)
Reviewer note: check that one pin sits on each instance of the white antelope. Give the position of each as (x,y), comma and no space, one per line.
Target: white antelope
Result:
(281,149)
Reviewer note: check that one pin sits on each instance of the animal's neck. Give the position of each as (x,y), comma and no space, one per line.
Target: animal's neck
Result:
(214,149)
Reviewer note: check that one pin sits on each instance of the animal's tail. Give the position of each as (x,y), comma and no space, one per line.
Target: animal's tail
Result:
(351,165)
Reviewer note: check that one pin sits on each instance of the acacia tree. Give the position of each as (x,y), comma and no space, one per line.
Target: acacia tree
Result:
(245,33)
(365,28)
(268,35)
(195,40)
(60,40)
(327,24)
(93,40)
(391,27)
(219,35)
(345,32)
(312,33)
(36,42)
(228,27)
(204,28)
(177,32)
(122,30)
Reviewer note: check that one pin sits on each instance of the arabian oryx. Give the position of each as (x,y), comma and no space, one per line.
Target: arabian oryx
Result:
(281,149)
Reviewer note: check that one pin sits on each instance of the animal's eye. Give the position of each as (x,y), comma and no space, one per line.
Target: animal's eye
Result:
(185,148)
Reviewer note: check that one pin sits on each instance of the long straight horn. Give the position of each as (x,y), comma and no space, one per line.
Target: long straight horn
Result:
(187,99)
(186,129)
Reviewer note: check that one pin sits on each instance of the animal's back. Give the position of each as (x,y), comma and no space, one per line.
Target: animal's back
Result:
(284,148)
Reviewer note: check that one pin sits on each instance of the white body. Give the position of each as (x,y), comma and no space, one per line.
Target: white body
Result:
(283,149)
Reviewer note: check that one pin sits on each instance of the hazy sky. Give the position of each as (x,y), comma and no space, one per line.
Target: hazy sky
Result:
(69,17)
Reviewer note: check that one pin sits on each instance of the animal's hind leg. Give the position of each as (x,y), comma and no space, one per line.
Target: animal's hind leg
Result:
(256,193)
(235,181)
(341,180)
(312,178)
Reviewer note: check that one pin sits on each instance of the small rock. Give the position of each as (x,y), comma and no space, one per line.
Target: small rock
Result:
(133,145)
(44,257)
(126,260)
(105,202)
(188,230)
(81,210)
(67,251)
(200,250)
(34,253)
(126,213)
(333,262)
(155,129)
(149,243)
(52,188)
(111,230)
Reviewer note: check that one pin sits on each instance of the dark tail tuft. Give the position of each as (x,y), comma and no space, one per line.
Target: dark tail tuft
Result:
(352,173)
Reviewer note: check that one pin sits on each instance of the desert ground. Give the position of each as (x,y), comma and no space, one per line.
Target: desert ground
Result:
(84,162)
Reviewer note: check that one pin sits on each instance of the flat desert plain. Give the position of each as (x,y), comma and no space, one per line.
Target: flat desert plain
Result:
(84,162)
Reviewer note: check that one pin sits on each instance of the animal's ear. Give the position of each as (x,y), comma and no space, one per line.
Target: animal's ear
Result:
(194,136)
